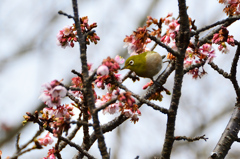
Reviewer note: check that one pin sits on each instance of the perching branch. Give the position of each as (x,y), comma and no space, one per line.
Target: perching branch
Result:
(142,100)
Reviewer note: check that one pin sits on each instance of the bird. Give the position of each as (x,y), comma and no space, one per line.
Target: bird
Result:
(146,64)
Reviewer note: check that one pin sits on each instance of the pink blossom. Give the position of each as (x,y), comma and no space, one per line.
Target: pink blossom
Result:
(118,77)
(99,84)
(59,111)
(52,93)
(59,91)
(230,41)
(166,39)
(231,1)
(103,70)
(60,35)
(67,30)
(167,21)
(223,48)
(52,156)
(47,140)
(188,63)
(119,59)
(173,26)
(111,109)
(238,9)
(208,51)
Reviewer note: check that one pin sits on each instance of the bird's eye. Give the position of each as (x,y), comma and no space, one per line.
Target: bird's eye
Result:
(131,62)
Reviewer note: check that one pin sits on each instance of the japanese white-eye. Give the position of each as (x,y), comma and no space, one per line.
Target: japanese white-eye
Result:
(146,64)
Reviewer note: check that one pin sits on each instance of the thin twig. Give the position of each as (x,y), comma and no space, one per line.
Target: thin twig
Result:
(190,139)
(164,46)
(234,72)
(106,104)
(233,18)
(219,70)
(65,14)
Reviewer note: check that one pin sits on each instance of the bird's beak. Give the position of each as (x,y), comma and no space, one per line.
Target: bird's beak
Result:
(123,68)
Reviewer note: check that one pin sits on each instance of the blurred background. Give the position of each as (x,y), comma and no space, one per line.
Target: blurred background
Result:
(29,57)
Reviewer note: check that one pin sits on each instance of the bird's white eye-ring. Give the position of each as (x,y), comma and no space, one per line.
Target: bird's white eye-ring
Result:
(131,62)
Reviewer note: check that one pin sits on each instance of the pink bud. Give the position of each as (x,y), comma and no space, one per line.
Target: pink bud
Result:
(103,70)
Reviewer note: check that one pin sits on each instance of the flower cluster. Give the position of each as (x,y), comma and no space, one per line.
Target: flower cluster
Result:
(136,42)
(59,111)
(232,7)
(221,37)
(52,93)
(172,30)
(50,154)
(112,108)
(126,104)
(87,28)
(68,35)
(106,72)
(47,140)
(129,107)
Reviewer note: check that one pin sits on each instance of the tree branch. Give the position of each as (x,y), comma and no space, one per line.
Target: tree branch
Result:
(182,44)
(229,135)
(190,139)
(88,93)
(219,70)
(233,73)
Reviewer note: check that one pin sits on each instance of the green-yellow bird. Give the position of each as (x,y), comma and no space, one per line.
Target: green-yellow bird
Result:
(146,64)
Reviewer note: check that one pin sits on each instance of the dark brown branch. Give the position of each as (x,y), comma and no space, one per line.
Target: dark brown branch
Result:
(65,14)
(229,135)
(105,105)
(17,142)
(234,72)
(182,42)
(190,139)
(209,36)
(79,123)
(219,70)
(77,73)
(233,18)
(63,144)
(88,93)
(73,98)
(198,65)
(237,140)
